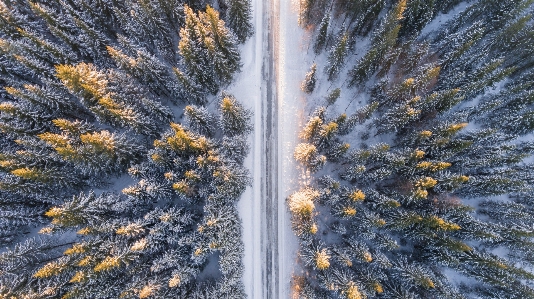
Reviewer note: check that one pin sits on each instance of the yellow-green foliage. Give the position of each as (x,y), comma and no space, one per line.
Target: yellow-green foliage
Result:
(79,277)
(76,249)
(349,211)
(305,152)
(185,141)
(301,203)
(83,77)
(311,128)
(50,269)
(148,291)
(357,195)
(438,223)
(433,166)
(108,263)
(329,129)
(322,259)
(29,174)
(426,183)
(425,134)
(352,292)
(175,281)
(130,230)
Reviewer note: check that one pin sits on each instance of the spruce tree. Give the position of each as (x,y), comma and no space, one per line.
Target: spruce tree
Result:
(418,14)
(322,36)
(209,48)
(235,119)
(308,85)
(200,120)
(337,55)
(192,50)
(239,18)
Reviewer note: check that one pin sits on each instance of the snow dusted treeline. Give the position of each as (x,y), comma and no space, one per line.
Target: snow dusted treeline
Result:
(420,145)
(116,181)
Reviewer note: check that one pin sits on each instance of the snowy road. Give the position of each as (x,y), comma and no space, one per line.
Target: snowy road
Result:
(269,85)
(284,67)
(270,201)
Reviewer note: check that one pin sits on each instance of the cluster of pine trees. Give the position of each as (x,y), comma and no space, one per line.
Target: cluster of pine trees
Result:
(92,91)
(425,191)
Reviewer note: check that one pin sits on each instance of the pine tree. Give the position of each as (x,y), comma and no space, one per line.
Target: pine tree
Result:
(235,119)
(337,55)
(52,98)
(308,85)
(194,91)
(337,151)
(363,14)
(384,40)
(108,97)
(93,152)
(302,202)
(239,16)
(37,45)
(305,11)
(193,51)
(308,155)
(11,19)
(225,57)
(58,26)
(333,96)
(146,21)
(235,148)
(311,130)
(209,49)
(327,134)
(149,70)
(322,36)
(200,120)
(418,14)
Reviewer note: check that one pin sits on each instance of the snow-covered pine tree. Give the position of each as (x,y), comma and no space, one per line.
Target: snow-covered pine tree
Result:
(193,52)
(337,55)
(150,71)
(308,85)
(333,96)
(384,40)
(418,14)
(93,152)
(210,54)
(235,119)
(239,15)
(200,120)
(224,57)
(322,35)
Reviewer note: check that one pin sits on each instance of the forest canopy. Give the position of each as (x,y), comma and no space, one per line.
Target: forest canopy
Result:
(420,148)
(120,155)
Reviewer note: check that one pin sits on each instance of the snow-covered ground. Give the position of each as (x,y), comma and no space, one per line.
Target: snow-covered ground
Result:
(292,65)
(247,89)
